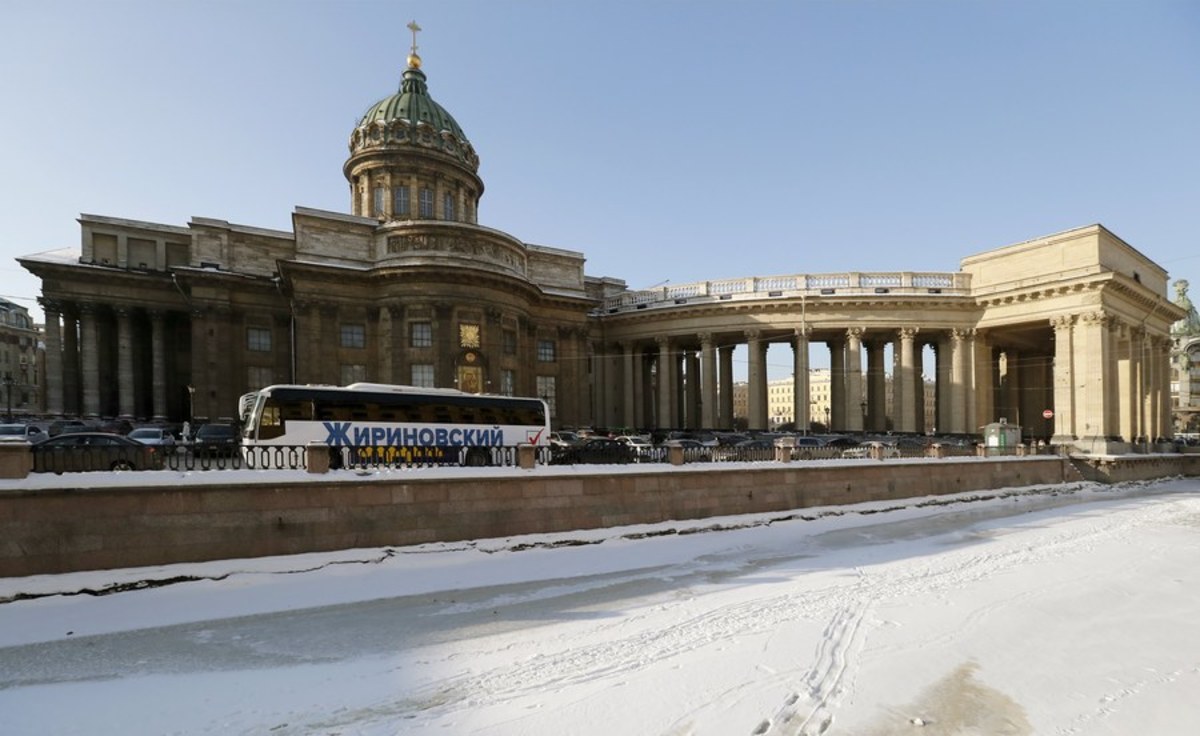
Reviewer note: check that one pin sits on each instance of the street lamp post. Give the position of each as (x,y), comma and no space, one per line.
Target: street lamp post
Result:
(827,427)
(864,418)
(8,384)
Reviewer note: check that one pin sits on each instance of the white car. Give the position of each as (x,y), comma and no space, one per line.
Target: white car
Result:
(23,432)
(862,451)
(155,437)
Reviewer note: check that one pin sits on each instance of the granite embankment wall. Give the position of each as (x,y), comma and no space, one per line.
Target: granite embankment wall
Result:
(62,529)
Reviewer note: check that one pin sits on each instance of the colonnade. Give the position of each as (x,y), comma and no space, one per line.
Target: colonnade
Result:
(1099,379)
(109,360)
(686,381)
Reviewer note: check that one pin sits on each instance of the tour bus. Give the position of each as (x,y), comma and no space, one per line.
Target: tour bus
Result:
(395,425)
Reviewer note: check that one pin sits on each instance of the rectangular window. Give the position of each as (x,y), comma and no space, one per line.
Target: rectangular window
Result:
(354,336)
(546,392)
(377,202)
(468,335)
(422,375)
(447,206)
(353,373)
(420,335)
(507,382)
(545,351)
(400,201)
(510,342)
(426,203)
(258,339)
(258,376)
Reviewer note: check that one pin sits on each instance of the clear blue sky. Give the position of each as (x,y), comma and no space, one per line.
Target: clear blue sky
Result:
(665,140)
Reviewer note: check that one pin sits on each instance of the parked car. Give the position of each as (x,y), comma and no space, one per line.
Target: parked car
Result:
(30,433)
(758,449)
(81,451)
(693,450)
(643,449)
(116,426)
(62,426)
(861,451)
(598,450)
(154,437)
(564,439)
(216,440)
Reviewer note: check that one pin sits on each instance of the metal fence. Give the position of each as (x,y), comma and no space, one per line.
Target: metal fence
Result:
(295,457)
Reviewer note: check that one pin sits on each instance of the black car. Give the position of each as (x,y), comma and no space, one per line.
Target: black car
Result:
(79,451)
(598,450)
(216,440)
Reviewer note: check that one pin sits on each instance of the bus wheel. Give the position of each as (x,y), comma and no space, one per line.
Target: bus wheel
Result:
(477,458)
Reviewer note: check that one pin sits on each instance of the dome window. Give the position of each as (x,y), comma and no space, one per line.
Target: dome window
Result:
(400,201)
(447,206)
(377,202)
(426,203)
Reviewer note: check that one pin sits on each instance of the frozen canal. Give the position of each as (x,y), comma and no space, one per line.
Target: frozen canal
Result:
(1066,610)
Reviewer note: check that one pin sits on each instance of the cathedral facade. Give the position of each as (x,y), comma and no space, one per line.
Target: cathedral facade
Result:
(170,322)
(1066,335)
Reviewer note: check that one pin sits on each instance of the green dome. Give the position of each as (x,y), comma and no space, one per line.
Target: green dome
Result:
(413,104)
(410,119)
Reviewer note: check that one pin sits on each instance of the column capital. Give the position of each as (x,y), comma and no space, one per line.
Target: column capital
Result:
(50,306)
(908,333)
(662,341)
(854,333)
(753,335)
(1062,322)
(705,338)
(1095,318)
(803,332)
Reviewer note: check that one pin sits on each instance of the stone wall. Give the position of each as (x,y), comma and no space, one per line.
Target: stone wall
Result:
(62,530)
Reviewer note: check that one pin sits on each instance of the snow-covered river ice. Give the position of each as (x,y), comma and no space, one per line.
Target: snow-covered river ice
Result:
(1049,610)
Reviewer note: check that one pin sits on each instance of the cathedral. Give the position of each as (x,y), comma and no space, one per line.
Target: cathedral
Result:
(1066,335)
(168,322)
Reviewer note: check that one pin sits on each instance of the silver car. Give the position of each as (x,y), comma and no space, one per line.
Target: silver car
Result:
(27,432)
(155,437)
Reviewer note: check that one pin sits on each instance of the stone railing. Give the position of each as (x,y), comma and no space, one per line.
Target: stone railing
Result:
(854,283)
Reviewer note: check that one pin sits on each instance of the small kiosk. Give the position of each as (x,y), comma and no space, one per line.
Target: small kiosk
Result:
(1001,438)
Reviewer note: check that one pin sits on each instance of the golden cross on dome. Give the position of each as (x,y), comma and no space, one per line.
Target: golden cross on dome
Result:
(412,26)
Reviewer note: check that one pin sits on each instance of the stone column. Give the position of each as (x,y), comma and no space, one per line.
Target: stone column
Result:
(942,378)
(694,398)
(1113,381)
(666,371)
(1165,428)
(876,387)
(627,379)
(708,381)
(1091,358)
(852,407)
(903,384)
(1127,387)
(957,416)
(126,406)
(981,379)
(72,389)
(837,385)
(54,359)
(89,360)
(600,401)
(800,381)
(756,396)
(725,389)
(158,365)
(918,386)
(1064,380)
